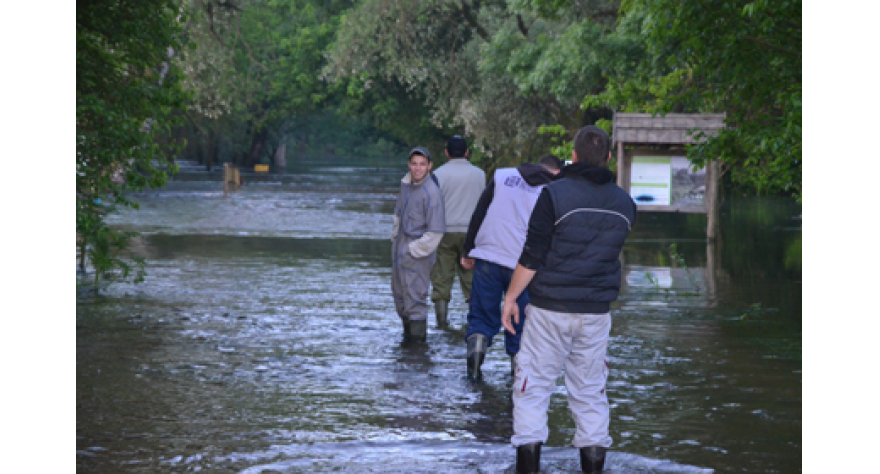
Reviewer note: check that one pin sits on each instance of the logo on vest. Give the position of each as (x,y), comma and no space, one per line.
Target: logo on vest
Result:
(513,181)
(518,182)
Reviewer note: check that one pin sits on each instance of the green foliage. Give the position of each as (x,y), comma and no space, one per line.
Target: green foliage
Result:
(493,71)
(679,261)
(331,133)
(562,144)
(794,255)
(498,71)
(126,93)
(281,55)
(405,66)
(739,57)
(256,73)
(103,246)
(387,106)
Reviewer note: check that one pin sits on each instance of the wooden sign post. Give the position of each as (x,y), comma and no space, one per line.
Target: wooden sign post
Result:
(653,167)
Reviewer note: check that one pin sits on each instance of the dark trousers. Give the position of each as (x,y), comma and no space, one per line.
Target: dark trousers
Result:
(487,295)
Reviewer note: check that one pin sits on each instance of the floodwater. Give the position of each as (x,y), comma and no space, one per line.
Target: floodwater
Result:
(264,340)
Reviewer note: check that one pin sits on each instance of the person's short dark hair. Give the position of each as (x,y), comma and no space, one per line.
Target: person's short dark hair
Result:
(419,151)
(551,162)
(456,146)
(591,145)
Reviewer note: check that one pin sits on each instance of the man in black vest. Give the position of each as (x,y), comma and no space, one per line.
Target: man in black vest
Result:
(571,266)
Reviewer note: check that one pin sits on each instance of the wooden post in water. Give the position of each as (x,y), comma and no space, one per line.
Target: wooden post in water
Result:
(231,178)
(712,177)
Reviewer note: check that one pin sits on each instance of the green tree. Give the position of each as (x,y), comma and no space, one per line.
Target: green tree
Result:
(735,56)
(496,71)
(279,65)
(555,53)
(127,90)
(214,32)
(256,71)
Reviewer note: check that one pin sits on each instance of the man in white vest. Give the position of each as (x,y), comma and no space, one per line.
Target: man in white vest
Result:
(461,184)
(492,247)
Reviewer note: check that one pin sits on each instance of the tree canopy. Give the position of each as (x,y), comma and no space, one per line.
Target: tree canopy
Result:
(492,70)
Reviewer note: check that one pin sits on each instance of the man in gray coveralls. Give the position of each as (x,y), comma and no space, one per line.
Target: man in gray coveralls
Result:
(419,224)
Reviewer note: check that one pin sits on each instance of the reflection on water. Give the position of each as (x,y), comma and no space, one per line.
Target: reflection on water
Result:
(264,339)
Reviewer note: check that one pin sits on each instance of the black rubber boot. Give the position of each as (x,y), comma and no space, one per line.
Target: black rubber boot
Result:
(476,353)
(441,308)
(407,333)
(418,330)
(592,459)
(528,458)
(513,365)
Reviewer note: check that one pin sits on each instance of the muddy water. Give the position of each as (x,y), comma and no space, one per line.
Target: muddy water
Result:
(264,340)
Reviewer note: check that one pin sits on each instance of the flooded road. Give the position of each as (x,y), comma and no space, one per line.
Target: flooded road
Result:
(264,340)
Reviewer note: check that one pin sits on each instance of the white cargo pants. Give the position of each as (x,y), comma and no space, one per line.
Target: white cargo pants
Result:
(552,342)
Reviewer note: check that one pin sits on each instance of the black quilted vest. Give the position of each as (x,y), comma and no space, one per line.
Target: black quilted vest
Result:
(593,217)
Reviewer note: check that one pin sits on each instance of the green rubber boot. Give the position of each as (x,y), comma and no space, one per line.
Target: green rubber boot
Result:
(418,330)
(441,308)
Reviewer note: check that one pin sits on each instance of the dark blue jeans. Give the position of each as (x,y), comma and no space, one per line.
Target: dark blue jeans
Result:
(487,295)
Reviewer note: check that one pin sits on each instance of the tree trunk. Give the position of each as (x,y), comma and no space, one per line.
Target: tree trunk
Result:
(256,147)
(200,150)
(211,154)
(280,158)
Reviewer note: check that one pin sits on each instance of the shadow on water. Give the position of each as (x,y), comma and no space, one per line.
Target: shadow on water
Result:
(264,339)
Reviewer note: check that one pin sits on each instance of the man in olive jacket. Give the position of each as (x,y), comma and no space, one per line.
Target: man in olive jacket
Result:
(461,184)
(571,266)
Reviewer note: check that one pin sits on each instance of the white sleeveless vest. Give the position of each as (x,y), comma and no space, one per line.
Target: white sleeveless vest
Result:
(503,232)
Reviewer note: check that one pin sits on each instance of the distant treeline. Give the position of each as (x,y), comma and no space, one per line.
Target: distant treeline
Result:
(325,136)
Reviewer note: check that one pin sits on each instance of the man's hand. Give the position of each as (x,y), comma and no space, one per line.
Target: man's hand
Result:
(510,309)
(467,263)
(520,279)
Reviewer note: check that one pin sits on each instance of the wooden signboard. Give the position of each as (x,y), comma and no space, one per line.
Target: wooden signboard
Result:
(653,167)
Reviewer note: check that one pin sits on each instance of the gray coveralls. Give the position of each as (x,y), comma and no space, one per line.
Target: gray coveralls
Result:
(419,210)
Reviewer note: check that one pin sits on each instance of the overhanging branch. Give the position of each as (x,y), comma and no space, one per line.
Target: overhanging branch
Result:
(469,18)
(522,26)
